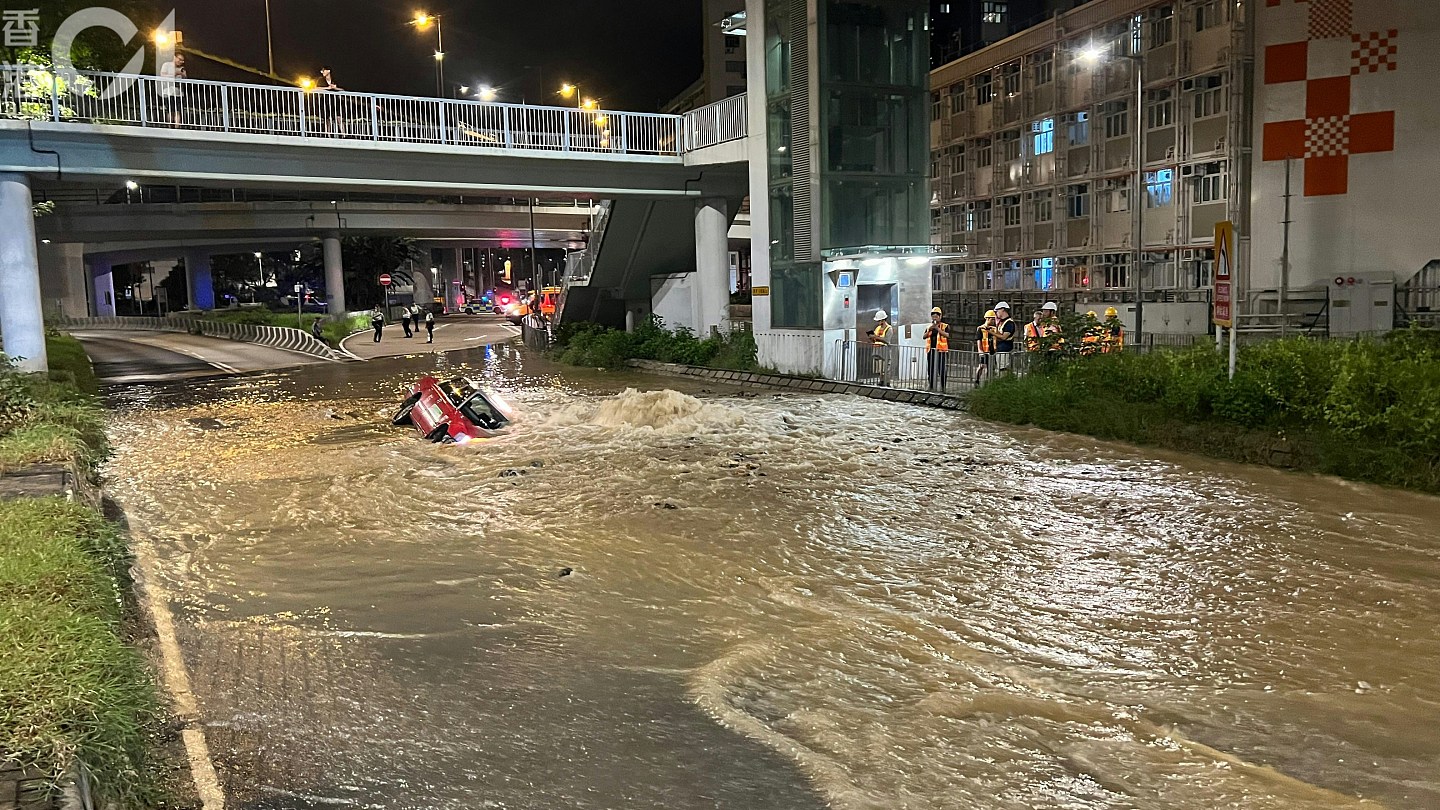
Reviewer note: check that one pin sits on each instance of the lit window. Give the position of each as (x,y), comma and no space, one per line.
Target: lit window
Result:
(993,12)
(1043,136)
(1159,188)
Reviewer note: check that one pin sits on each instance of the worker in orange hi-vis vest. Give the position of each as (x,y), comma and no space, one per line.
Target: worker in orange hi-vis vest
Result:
(937,349)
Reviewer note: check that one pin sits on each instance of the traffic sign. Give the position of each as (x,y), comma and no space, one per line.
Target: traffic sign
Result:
(1223,300)
(385,279)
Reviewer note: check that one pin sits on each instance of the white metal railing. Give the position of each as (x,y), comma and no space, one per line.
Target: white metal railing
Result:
(35,93)
(725,120)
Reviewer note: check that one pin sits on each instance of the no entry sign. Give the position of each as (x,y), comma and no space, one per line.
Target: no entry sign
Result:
(384,279)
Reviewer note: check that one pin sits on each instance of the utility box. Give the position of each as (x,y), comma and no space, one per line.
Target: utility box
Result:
(1363,303)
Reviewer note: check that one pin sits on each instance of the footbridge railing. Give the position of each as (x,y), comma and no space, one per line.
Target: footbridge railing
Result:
(90,97)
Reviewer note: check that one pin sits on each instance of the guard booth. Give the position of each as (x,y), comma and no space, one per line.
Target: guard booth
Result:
(860,282)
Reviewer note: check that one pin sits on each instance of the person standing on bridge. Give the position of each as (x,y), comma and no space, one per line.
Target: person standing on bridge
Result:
(172,95)
(377,320)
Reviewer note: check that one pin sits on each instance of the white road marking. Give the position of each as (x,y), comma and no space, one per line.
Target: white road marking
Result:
(177,680)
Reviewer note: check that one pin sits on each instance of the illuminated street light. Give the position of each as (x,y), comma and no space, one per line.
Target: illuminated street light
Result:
(161,38)
(307,84)
(487,93)
(131,185)
(422,21)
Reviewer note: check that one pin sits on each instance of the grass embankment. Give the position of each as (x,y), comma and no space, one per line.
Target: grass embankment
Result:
(586,344)
(70,687)
(333,330)
(1365,409)
(53,419)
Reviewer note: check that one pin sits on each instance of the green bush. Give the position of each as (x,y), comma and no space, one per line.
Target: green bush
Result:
(1366,409)
(49,420)
(586,344)
(71,688)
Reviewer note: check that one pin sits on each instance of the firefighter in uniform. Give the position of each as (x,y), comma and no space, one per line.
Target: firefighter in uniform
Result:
(1114,332)
(937,349)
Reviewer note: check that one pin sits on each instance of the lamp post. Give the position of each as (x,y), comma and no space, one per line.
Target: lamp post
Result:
(269,44)
(581,103)
(421,22)
(1136,55)
(259,266)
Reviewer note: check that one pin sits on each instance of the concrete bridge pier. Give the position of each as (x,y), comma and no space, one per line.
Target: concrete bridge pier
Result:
(102,285)
(63,281)
(21,320)
(334,275)
(712,265)
(199,285)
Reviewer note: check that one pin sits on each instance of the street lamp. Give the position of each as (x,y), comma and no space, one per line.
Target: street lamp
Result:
(421,22)
(260,266)
(567,90)
(1095,54)
(486,93)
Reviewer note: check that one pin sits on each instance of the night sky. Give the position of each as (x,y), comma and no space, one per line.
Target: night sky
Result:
(630,54)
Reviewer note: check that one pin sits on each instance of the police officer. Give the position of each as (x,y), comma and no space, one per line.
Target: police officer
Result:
(937,348)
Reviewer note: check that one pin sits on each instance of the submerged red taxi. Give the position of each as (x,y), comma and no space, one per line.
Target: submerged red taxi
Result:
(455,410)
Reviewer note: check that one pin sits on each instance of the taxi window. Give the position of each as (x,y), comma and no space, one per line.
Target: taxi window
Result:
(478,410)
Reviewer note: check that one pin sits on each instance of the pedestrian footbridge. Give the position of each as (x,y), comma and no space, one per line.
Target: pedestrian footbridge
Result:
(667,176)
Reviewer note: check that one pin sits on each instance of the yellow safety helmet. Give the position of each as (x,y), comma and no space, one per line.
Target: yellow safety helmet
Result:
(990,313)
(1091,314)
(936,311)
(1111,312)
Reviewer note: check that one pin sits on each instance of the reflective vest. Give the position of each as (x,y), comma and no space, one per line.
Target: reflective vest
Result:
(881,332)
(1115,338)
(1033,333)
(986,341)
(941,332)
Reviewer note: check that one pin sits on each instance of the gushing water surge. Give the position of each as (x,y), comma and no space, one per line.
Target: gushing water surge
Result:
(650,594)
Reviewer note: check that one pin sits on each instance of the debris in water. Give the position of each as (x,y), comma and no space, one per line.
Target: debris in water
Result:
(565,572)
(537,464)
(665,505)
(511,473)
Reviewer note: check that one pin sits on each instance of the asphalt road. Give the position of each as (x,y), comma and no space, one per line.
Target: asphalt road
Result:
(452,332)
(135,356)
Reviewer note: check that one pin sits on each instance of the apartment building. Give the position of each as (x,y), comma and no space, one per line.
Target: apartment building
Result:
(1259,112)
(1033,153)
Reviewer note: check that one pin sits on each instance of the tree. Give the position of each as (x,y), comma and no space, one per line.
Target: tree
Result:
(365,258)
(94,48)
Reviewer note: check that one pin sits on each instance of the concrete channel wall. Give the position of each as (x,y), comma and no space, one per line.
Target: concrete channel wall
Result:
(818,386)
(277,337)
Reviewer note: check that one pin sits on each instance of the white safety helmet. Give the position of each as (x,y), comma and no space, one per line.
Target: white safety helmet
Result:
(1002,305)
(881,315)
(1052,306)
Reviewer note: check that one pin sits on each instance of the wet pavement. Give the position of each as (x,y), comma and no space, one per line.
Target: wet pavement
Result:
(772,601)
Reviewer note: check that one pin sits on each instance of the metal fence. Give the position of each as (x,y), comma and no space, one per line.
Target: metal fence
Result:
(913,368)
(725,120)
(93,97)
(279,337)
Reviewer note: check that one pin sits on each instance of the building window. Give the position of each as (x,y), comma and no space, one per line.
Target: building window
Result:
(982,215)
(1043,206)
(732,41)
(934,165)
(984,89)
(1202,269)
(1011,75)
(734,66)
(1209,14)
(1115,270)
(982,153)
(1077,200)
(1117,119)
(1009,146)
(1042,68)
(1160,110)
(944,8)
(1159,188)
(1209,96)
(994,12)
(734,90)
(957,98)
(1117,195)
(1210,184)
(936,110)
(1077,128)
(957,159)
(1162,26)
(1010,210)
(1161,273)
(1042,136)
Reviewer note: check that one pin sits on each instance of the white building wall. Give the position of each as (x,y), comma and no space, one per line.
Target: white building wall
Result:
(1348,91)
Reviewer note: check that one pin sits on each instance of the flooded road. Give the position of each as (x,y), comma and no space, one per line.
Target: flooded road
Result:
(775,601)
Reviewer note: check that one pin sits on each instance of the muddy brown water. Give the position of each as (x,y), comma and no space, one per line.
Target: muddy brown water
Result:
(776,601)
